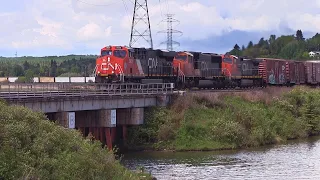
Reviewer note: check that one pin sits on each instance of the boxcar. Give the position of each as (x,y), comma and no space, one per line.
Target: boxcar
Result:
(275,71)
(312,72)
(296,72)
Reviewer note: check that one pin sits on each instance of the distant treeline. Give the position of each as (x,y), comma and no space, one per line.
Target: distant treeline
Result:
(294,47)
(52,66)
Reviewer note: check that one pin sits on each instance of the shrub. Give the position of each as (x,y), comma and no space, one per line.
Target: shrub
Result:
(232,120)
(32,147)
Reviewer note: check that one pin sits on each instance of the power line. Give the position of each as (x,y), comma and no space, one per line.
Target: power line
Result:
(140,14)
(170,31)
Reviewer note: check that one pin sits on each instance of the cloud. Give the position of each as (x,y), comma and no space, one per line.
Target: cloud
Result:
(70,26)
(92,31)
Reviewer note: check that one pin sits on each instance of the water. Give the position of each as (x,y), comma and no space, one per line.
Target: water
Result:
(295,160)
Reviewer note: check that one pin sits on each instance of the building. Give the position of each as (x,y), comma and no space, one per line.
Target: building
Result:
(314,53)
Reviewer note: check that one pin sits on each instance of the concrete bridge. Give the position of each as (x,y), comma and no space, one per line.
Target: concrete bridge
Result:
(100,109)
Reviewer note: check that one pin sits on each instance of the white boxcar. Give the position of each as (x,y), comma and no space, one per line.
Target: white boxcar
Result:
(12,79)
(36,79)
(62,79)
(88,79)
(77,79)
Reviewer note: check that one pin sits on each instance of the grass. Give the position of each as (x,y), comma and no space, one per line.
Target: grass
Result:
(211,121)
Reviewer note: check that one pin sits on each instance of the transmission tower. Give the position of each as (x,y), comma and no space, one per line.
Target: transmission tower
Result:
(170,31)
(140,23)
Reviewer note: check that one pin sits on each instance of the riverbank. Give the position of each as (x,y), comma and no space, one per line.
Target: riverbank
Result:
(32,147)
(217,121)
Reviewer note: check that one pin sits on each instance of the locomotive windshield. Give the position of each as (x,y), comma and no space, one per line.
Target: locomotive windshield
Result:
(227,60)
(106,53)
(181,57)
(120,53)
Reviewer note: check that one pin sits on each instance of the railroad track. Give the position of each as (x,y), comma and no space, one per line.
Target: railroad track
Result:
(243,89)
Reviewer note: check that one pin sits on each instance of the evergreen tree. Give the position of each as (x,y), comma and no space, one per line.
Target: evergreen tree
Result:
(299,35)
(236,47)
(243,48)
(250,44)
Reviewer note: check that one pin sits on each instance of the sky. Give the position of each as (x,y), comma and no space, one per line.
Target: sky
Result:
(62,27)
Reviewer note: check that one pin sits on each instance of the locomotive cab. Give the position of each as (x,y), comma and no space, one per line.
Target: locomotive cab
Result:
(229,65)
(110,63)
(183,63)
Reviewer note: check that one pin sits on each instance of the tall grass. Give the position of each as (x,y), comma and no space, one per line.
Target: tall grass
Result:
(208,121)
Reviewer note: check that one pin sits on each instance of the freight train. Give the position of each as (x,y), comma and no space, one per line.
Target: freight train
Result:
(201,70)
(120,64)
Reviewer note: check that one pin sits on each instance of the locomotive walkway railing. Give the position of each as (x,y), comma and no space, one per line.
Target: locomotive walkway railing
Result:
(56,90)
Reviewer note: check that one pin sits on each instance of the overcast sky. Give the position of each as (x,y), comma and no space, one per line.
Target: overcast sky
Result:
(59,27)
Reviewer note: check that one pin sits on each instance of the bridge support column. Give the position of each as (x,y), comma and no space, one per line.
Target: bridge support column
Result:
(108,121)
(66,119)
(130,116)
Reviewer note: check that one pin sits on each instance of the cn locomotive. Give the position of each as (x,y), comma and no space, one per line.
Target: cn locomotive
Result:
(121,64)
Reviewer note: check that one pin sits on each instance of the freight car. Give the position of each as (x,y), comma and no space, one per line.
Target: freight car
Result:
(282,72)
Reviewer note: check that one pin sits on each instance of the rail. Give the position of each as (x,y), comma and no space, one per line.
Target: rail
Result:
(56,90)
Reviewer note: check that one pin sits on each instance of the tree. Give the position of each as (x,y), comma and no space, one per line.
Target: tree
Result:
(29,75)
(53,68)
(299,35)
(250,45)
(26,65)
(261,42)
(236,47)
(272,39)
(243,48)
(17,70)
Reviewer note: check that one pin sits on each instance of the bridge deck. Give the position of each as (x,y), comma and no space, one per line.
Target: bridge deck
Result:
(60,90)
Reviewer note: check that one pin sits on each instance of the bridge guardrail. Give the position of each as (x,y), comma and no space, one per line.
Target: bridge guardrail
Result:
(35,90)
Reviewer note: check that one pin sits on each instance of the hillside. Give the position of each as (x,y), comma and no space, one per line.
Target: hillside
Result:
(294,47)
(72,65)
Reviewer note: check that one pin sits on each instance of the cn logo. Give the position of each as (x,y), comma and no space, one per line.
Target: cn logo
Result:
(115,67)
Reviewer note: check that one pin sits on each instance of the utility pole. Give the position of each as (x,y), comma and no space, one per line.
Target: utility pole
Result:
(170,32)
(140,27)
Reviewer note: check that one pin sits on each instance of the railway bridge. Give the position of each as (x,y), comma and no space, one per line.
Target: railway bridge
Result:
(104,110)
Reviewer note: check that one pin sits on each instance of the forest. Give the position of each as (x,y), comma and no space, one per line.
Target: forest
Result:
(292,47)
(53,66)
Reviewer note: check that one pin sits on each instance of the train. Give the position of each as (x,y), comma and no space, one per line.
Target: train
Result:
(189,69)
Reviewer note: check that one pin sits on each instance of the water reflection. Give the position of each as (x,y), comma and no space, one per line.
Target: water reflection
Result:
(295,160)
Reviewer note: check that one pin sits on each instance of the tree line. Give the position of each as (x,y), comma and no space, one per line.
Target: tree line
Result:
(82,66)
(294,47)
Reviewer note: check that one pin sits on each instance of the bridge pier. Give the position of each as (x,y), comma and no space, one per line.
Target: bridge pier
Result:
(101,124)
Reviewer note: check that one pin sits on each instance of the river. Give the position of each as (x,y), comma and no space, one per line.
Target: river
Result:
(293,160)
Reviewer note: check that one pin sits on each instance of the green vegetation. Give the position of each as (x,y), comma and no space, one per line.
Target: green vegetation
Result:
(31,147)
(51,66)
(294,47)
(230,120)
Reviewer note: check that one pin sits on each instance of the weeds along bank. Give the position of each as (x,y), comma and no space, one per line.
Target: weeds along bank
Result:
(31,147)
(230,120)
